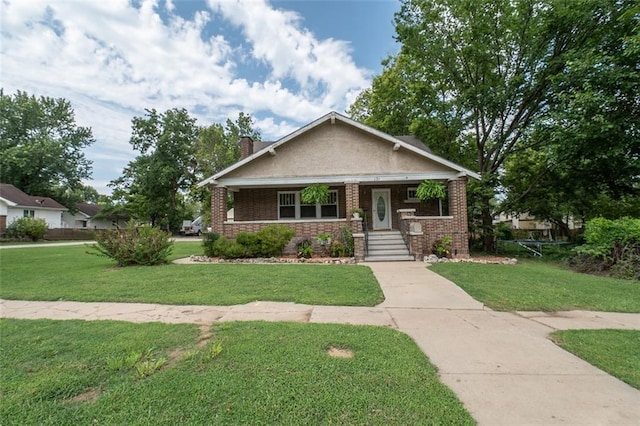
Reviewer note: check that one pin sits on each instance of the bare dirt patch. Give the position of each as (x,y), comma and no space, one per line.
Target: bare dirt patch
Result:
(339,352)
(90,395)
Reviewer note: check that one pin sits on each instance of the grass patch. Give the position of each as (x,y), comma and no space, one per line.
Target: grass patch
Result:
(68,273)
(58,372)
(537,286)
(614,351)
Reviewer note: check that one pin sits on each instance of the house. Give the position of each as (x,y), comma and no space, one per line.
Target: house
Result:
(15,204)
(364,168)
(533,228)
(83,218)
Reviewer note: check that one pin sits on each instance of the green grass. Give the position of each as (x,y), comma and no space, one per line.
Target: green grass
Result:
(615,351)
(77,372)
(537,286)
(68,273)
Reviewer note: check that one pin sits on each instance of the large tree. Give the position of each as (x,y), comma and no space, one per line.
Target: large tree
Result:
(41,146)
(217,148)
(589,164)
(153,185)
(476,75)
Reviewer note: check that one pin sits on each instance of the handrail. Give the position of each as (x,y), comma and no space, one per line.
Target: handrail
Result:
(365,230)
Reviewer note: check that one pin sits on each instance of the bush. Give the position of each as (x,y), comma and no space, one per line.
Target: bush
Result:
(229,249)
(346,238)
(305,249)
(208,240)
(251,244)
(273,239)
(442,247)
(27,227)
(143,245)
(337,249)
(612,247)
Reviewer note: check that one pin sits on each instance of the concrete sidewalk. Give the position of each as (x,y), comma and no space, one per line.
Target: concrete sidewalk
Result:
(501,365)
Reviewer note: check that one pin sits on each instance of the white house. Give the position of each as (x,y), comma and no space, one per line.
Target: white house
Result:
(15,204)
(83,218)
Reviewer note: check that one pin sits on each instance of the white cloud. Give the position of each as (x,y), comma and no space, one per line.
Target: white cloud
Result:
(112,60)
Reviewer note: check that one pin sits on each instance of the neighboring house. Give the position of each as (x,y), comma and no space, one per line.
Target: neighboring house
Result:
(15,204)
(537,229)
(363,167)
(84,218)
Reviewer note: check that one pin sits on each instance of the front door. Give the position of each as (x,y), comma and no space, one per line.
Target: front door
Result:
(381,208)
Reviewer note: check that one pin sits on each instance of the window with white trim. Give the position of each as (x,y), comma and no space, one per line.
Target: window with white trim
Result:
(412,194)
(291,207)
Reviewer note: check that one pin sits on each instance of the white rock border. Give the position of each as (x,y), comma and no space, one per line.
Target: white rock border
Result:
(433,259)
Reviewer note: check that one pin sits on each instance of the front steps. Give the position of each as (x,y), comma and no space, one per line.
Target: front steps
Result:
(387,246)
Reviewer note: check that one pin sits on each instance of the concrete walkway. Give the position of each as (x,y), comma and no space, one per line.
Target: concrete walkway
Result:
(501,365)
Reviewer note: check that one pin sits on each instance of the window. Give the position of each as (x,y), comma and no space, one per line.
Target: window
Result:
(291,207)
(28,213)
(412,195)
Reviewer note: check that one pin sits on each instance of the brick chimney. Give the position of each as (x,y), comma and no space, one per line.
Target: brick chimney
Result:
(246,147)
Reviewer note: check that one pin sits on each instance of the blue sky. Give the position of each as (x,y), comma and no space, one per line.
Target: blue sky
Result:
(284,62)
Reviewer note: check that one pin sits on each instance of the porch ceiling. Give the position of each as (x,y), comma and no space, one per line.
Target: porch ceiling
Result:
(335,180)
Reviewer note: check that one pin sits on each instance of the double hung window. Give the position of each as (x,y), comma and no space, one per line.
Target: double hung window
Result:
(290,206)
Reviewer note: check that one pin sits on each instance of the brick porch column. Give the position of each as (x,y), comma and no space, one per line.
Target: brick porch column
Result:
(352,192)
(218,209)
(458,209)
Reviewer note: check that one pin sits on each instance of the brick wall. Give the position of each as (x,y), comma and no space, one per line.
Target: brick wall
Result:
(3,224)
(218,208)
(262,203)
(398,201)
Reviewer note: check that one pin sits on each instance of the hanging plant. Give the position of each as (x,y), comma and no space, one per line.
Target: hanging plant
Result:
(315,194)
(429,190)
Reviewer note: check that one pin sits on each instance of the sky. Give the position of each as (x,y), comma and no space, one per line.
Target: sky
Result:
(284,62)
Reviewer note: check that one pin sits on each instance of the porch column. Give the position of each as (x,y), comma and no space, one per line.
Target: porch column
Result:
(218,209)
(352,191)
(458,209)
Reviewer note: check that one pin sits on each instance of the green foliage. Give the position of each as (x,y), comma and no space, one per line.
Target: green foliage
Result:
(229,249)
(152,185)
(41,147)
(27,227)
(430,189)
(208,242)
(442,247)
(504,231)
(251,243)
(305,249)
(612,246)
(315,194)
(274,238)
(134,245)
(337,249)
(346,238)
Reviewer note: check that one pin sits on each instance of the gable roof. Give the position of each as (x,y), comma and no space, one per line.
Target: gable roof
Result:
(408,143)
(16,198)
(88,209)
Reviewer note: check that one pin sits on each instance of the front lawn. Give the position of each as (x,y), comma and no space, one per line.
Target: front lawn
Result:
(107,372)
(537,286)
(68,273)
(615,351)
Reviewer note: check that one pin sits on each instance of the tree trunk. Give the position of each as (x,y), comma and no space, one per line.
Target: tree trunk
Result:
(488,240)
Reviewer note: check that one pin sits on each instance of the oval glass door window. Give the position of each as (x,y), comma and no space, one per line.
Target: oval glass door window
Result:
(382,208)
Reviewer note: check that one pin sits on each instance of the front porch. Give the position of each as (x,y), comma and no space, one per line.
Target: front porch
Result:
(387,206)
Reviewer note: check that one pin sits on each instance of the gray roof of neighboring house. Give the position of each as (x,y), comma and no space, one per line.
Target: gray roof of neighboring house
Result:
(13,194)
(414,141)
(89,209)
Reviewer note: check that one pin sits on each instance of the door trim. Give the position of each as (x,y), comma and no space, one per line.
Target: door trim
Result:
(387,195)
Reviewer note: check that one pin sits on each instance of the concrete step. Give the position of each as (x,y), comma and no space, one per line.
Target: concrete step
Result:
(388,250)
(389,258)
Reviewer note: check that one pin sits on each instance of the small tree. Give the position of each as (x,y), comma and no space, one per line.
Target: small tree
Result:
(429,190)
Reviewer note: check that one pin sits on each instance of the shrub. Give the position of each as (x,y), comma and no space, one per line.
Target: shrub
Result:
(251,244)
(27,227)
(346,238)
(442,247)
(208,240)
(337,249)
(305,249)
(611,247)
(273,239)
(143,245)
